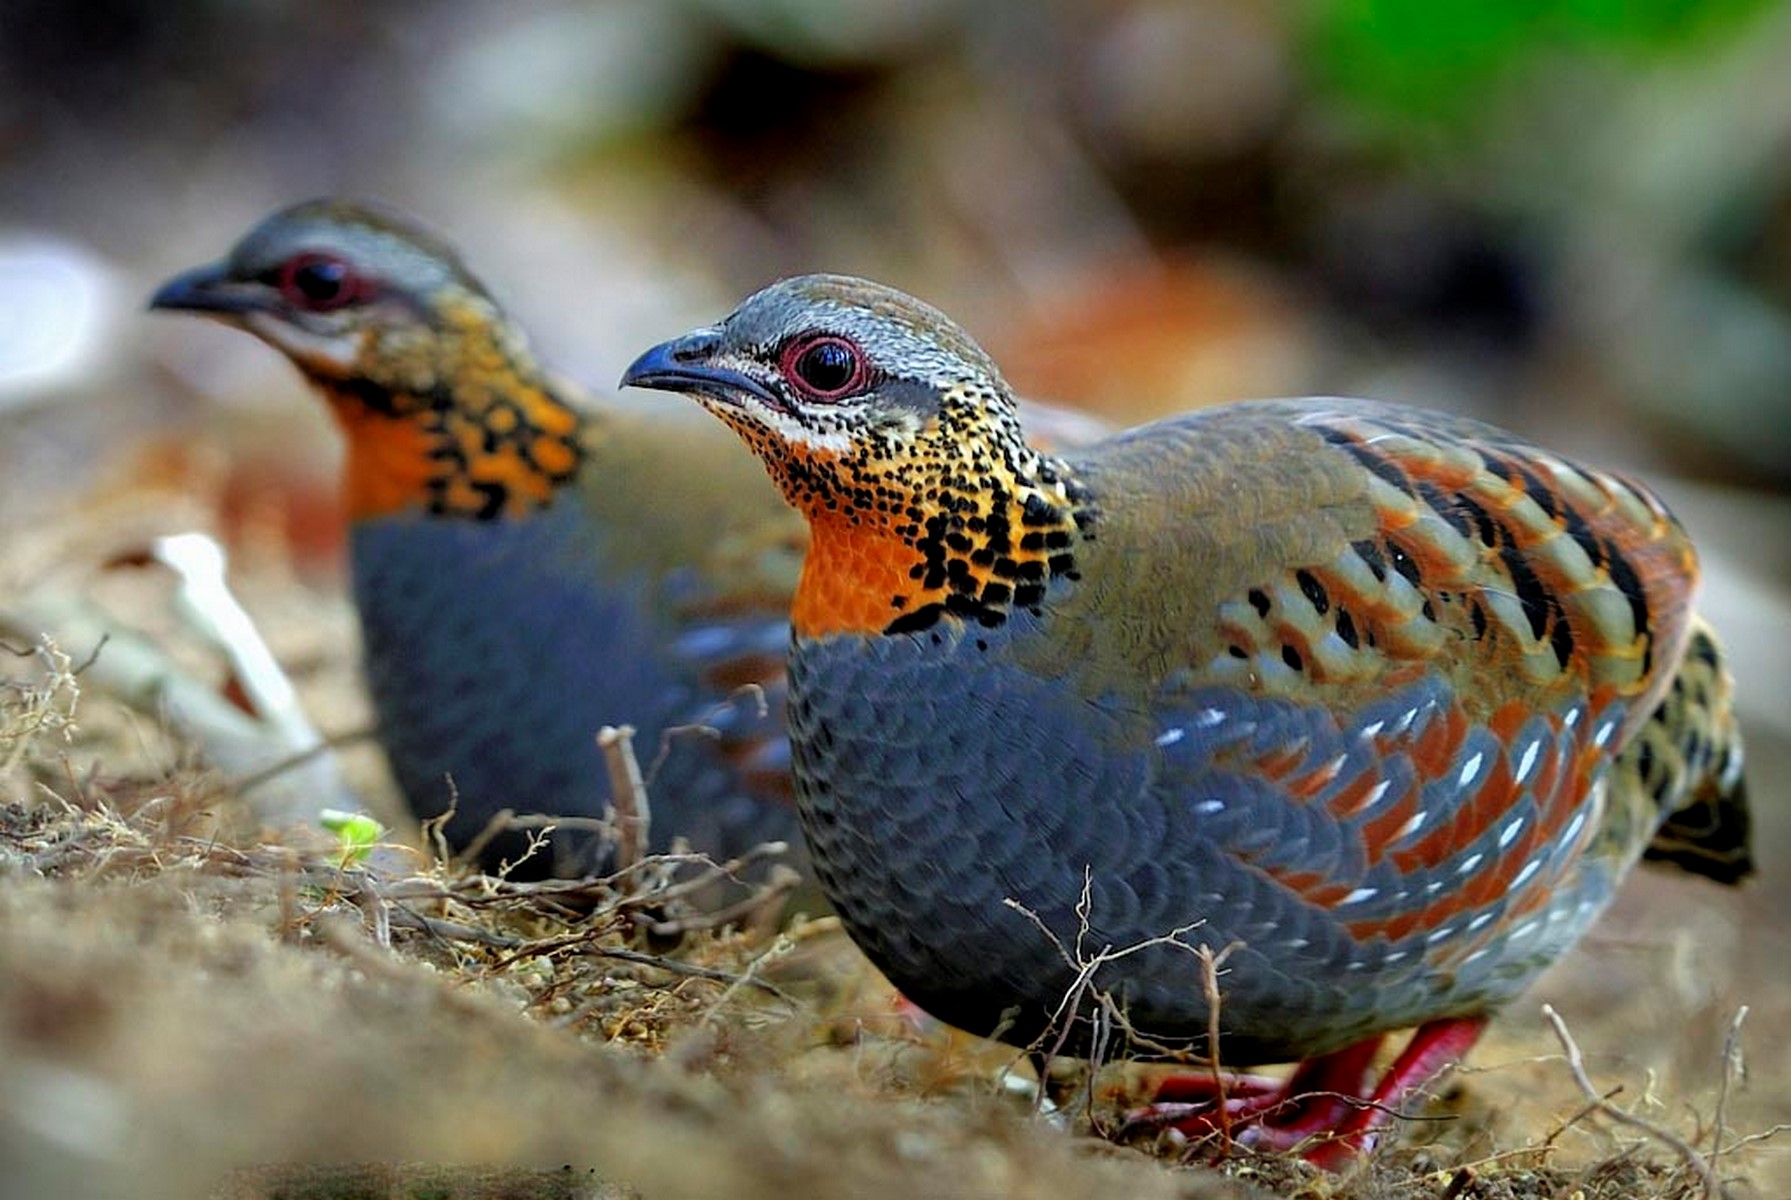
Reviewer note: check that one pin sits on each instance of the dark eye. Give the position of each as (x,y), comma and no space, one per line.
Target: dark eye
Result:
(319,282)
(826,367)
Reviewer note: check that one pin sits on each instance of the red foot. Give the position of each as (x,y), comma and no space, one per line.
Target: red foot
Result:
(1322,1102)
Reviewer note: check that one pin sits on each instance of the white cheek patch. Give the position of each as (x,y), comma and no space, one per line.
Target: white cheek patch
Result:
(337,350)
(836,441)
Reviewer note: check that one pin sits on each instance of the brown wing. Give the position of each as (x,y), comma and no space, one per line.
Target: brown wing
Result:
(1414,640)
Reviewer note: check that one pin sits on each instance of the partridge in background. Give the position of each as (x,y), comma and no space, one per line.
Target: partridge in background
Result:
(1386,700)
(529,563)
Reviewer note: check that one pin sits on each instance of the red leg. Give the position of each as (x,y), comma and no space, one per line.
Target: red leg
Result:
(1341,1071)
(1316,1098)
(1189,1102)
(1325,1096)
(1434,1048)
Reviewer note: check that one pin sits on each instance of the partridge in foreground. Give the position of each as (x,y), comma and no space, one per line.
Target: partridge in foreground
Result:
(1386,700)
(529,563)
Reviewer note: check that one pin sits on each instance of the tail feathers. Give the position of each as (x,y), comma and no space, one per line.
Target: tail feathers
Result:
(1688,760)
(1709,835)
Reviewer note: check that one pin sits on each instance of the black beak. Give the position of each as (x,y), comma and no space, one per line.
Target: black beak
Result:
(683,365)
(207,289)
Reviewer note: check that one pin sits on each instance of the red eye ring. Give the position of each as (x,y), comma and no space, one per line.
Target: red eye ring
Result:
(824,366)
(319,282)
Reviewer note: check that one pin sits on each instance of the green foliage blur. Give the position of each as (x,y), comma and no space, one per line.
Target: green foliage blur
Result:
(1435,61)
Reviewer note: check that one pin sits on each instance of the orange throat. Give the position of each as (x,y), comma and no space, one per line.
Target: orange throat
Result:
(503,460)
(856,579)
(388,467)
(965,548)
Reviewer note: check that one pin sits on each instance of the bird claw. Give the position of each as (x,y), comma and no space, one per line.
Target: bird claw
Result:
(1266,1120)
(1322,1112)
(1196,1120)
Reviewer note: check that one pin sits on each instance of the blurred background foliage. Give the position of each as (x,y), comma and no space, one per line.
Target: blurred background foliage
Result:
(1433,61)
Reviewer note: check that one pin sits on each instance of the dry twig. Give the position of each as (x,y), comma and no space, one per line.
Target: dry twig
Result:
(783,881)
(704,727)
(1734,1067)
(1209,986)
(634,816)
(1576,1063)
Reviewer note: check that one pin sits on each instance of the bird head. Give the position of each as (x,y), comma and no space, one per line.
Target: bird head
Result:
(830,365)
(897,437)
(350,292)
(442,403)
